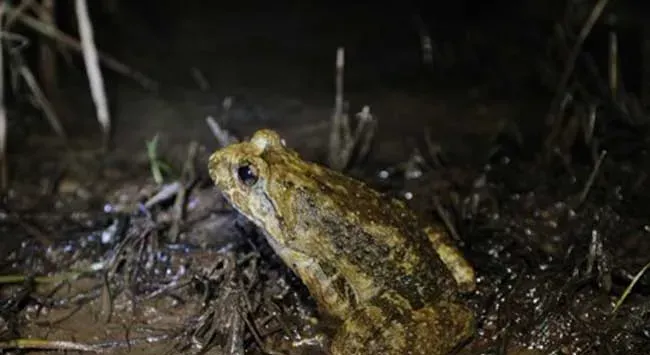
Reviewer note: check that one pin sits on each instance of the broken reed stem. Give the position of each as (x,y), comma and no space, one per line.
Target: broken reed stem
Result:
(4,175)
(68,41)
(337,115)
(93,71)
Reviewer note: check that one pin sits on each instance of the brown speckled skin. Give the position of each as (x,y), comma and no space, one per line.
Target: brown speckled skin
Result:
(364,257)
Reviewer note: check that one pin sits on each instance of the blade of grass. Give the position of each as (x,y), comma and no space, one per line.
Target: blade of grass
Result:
(629,288)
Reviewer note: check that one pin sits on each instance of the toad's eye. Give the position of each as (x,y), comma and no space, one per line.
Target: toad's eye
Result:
(247,174)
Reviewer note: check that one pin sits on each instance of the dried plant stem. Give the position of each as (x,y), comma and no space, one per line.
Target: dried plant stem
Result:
(200,79)
(573,55)
(426,44)
(645,88)
(47,54)
(92,68)
(613,64)
(41,99)
(4,178)
(222,135)
(628,289)
(344,140)
(592,178)
(11,19)
(45,344)
(70,42)
(446,219)
(188,177)
(365,132)
(337,116)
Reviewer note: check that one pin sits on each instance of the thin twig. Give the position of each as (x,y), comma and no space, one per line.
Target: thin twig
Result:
(92,69)
(70,42)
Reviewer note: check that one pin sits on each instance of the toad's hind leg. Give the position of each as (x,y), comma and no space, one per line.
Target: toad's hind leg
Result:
(434,330)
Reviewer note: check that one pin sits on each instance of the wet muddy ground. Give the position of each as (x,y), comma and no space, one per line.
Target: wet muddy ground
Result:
(95,255)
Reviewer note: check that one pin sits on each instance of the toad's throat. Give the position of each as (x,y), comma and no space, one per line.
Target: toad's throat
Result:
(321,285)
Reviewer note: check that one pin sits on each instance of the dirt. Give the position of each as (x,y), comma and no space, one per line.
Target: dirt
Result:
(95,253)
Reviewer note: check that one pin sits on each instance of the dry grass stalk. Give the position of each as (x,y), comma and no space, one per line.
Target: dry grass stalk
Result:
(41,100)
(39,96)
(596,11)
(92,68)
(47,56)
(338,116)
(187,180)
(613,64)
(564,93)
(200,79)
(645,88)
(44,344)
(364,133)
(591,179)
(426,43)
(4,183)
(224,137)
(66,40)
(344,142)
(24,5)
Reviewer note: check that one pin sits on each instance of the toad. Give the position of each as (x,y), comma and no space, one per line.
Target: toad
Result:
(368,261)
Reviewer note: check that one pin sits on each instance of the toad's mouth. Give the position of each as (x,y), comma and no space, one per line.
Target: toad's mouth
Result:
(262,212)
(279,248)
